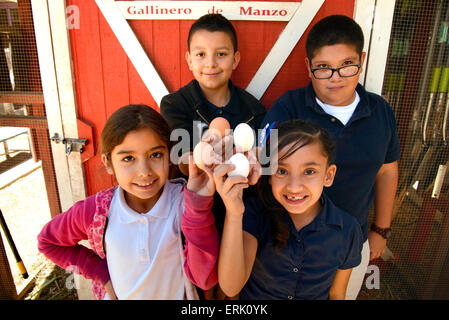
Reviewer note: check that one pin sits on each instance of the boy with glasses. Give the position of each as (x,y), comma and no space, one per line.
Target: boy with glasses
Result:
(361,124)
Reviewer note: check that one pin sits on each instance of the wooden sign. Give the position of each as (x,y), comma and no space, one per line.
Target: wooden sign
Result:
(298,14)
(192,10)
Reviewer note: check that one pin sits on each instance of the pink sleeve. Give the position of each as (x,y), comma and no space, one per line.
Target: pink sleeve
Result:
(202,242)
(59,238)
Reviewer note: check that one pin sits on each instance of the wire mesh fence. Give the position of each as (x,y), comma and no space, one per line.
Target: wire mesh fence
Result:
(28,189)
(416,85)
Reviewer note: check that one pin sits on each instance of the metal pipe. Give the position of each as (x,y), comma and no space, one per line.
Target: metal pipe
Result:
(13,247)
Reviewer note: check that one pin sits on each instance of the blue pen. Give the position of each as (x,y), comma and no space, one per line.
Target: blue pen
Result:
(267,132)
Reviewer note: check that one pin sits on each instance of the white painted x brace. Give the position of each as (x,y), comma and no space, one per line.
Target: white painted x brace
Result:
(299,15)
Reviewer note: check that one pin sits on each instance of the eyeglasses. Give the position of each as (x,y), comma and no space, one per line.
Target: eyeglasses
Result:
(344,72)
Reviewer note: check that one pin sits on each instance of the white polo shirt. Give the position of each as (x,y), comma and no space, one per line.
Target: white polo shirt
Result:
(144,251)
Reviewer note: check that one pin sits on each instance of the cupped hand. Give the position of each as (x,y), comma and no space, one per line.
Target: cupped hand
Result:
(230,188)
(201,181)
(223,146)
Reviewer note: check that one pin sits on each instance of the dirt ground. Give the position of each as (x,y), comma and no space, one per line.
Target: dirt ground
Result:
(25,219)
(51,283)
(25,208)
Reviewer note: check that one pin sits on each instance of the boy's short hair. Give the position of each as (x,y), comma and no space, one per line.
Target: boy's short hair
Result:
(335,29)
(213,22)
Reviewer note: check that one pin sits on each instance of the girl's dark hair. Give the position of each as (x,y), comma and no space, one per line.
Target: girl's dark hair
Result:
(295,134)
(129,118)
(335,29)
(213,22)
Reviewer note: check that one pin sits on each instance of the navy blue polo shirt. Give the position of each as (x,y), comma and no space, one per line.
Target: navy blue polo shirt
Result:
(231,111)
(363,145)
(306,266)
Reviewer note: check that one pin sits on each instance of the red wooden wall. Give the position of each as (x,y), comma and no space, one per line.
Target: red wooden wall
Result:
(105,79)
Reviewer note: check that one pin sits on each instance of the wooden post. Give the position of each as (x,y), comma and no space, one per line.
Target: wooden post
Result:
(41,137)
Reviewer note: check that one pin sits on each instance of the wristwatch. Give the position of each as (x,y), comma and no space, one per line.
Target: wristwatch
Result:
(384,232)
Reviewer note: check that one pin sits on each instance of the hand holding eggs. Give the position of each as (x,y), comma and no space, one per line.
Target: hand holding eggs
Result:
(243,137)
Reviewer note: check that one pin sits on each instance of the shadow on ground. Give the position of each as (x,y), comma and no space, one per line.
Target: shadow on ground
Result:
(14,161)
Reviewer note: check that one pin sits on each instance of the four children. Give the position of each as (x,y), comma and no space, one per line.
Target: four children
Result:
(299,237)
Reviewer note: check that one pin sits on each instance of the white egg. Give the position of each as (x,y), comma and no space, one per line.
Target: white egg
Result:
(243,137)
(203,154)
(241,164)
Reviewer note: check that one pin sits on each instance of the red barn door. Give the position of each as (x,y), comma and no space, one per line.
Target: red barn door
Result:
(106,79)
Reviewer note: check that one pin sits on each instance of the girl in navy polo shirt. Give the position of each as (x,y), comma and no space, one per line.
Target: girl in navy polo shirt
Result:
(291,242)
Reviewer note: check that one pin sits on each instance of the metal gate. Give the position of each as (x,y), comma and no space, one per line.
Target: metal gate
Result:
(25,144)
(416,85)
